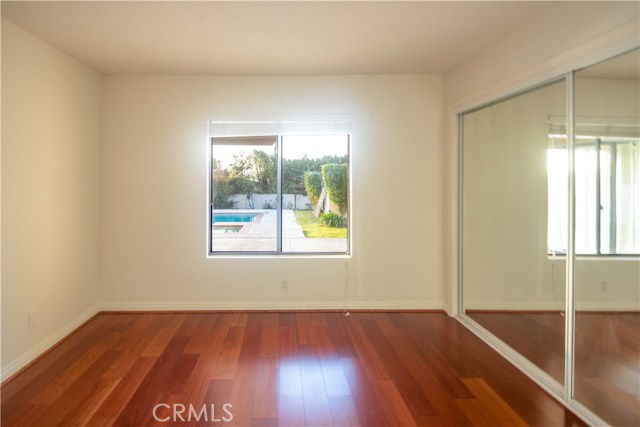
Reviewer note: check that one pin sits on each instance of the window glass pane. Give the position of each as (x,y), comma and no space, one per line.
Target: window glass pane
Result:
(605,199)
(557,163)
(585,196)
(315,193)
(244,190)
(628,197)
(617,209)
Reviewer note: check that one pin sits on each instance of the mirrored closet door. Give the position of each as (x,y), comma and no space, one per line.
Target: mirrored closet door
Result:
(514,178)
(549,249)
(607,236)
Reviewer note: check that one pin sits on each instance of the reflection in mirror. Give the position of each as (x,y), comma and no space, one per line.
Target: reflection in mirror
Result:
(607,267)
(513,279)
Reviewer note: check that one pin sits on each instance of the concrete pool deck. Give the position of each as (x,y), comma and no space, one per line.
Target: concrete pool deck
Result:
(260,236)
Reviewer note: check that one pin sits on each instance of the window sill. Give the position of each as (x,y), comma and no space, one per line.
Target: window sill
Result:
(223,255)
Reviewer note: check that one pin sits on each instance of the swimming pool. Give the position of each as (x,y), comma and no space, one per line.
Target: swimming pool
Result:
(227,229)
(227,217)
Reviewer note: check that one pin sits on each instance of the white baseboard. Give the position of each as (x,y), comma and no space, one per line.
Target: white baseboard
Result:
(608,306)
(260,305)
(552,305)
(34,352)
(515,305)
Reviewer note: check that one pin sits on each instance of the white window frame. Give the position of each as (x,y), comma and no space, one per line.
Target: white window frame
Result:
(281,129)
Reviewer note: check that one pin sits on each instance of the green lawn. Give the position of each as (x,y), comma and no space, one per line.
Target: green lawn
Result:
(312,229)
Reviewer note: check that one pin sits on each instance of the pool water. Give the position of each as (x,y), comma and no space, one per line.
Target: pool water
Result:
(227,230)
(234,217)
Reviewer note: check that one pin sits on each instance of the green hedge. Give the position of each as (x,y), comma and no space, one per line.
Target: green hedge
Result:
(313,186)
(335,178)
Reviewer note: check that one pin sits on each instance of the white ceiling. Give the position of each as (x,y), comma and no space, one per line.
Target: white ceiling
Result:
(207,37)
(626,66)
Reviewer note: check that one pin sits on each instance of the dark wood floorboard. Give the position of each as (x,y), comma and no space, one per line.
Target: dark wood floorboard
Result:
(288,369)
(607,364)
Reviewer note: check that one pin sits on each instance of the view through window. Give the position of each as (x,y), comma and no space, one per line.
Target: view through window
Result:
(280,194)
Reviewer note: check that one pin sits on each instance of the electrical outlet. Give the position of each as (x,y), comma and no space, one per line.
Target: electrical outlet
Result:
(284,285)
(32,319)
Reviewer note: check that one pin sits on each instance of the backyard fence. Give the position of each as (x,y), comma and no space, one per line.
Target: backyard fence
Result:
(268,201)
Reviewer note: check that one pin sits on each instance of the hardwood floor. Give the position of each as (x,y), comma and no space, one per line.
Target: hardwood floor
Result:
(607,363)
(276,369)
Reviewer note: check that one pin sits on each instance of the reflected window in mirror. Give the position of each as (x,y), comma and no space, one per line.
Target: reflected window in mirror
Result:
(607,195)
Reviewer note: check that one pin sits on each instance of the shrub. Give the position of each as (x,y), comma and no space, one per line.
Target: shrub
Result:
(221,201)
(335,181)
(333,220)
(221,193)
(313,186)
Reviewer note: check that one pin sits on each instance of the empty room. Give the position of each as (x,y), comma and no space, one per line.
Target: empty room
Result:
(320,213)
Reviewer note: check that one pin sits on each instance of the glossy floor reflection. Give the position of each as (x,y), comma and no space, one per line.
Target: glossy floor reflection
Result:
(276,369)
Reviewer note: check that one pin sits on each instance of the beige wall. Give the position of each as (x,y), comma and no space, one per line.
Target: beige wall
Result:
(153,193)
(50,138)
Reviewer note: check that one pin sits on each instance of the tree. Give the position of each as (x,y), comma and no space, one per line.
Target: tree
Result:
(313,186)
(263,167)
(247,174)
(293,171)
(239,181)
(221,187)
(257,173)
(335,179)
